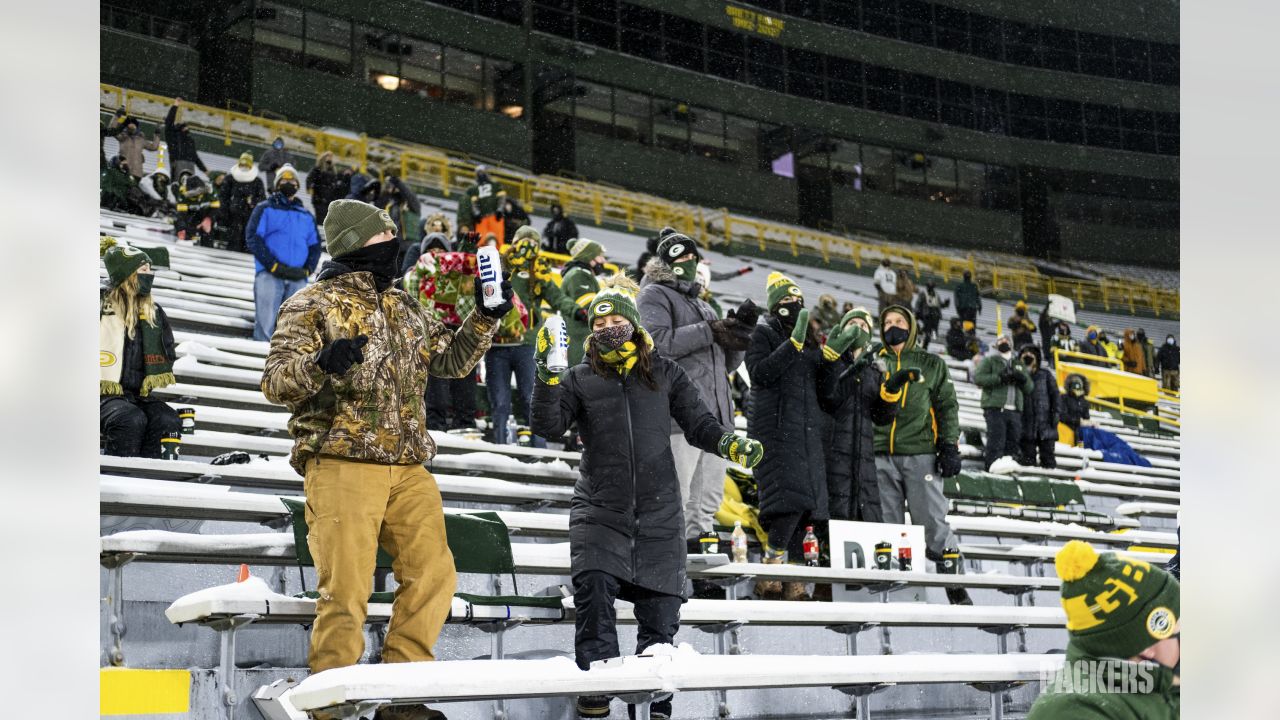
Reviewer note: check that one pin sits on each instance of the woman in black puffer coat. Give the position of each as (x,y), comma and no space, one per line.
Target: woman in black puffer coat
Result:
(626,522)
(852,390)
(1040,411)
(784,360)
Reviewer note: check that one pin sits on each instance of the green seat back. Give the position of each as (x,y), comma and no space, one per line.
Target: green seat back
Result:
(479,541)
(951,487)
(1037,491)
(1067,493)
(974,486)
(1004,489)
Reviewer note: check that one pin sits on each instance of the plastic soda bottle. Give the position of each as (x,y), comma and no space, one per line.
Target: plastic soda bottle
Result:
(739,542)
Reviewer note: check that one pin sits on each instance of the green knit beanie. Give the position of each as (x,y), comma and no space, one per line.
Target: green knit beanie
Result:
(779,286)
(584,250)
(121,260)
(617,296)
(859,313)
(1116,606)
(350,224)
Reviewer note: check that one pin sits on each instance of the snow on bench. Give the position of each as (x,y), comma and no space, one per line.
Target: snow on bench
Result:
(359,689)
(1009,527)
(1143,509)
(279,476)
(1126,491)
(203,318)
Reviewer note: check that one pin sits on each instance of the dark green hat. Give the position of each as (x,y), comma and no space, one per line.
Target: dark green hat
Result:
(122,260)
(617,296)
(1116,606)
(350,224)
(779,286)
(584,250)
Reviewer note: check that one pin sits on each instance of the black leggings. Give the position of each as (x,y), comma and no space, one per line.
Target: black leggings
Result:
(596,623)
(132,427)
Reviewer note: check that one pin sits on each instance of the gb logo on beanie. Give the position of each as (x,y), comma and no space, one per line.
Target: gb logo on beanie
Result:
(675,250)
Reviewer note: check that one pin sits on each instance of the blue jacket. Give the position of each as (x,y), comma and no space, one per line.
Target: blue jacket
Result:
(282,231)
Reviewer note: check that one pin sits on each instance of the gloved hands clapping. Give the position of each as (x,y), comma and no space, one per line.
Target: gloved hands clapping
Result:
(898,380)
(495,313)
(337,357)
(730,334)
(742,450)
(846,335)
(1011,375)
(801,329)
(748,313)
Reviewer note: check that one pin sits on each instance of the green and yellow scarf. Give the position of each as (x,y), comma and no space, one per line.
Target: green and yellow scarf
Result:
(111,338)
(626,356)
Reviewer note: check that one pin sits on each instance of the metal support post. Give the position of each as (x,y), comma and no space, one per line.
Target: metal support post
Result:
(226,629)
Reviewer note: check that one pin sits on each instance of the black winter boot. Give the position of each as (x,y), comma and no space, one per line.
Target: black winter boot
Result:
(593,706)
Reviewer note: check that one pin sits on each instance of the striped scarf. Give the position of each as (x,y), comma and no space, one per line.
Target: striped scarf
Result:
(111,340)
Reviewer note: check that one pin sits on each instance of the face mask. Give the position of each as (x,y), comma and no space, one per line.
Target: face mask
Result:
(1093,336)
(685,269)
(612,337)
(1168,341)
(1028,360)
(895,336)
(378,259)
(1063,331)
(144,283)
(860,337)
(289,189)
(1003,348)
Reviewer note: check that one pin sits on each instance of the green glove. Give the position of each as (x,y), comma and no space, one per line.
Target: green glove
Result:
(845,337)
(744,451)
(542,348)
(801,330)
(895,382)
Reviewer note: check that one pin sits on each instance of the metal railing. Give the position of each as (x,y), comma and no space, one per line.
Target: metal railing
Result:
(1059,353)
(437,169)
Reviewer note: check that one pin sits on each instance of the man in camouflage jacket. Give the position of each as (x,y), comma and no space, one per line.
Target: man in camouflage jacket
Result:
(350,358)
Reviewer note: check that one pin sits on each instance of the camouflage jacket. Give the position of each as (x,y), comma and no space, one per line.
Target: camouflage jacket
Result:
(376,411)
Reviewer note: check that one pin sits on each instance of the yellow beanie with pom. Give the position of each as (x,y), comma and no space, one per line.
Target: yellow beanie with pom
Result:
(1116,605)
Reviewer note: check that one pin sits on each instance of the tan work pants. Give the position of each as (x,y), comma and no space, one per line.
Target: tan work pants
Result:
(352,508)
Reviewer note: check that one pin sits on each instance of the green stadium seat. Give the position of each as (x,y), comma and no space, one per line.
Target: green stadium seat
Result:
(1004,489)
(1037,491)
(1067,493)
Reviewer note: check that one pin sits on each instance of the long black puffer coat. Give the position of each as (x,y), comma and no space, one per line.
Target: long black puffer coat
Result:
(1040,409)
(627,517)
(786,417)
(850,391)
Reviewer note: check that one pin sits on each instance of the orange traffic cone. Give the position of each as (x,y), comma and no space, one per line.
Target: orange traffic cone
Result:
(243,574)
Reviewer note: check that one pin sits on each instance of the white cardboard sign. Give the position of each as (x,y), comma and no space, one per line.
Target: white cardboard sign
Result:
(853,546)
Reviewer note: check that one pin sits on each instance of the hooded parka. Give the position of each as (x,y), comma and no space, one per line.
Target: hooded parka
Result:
(1040,409)
(851,390)
(627,518)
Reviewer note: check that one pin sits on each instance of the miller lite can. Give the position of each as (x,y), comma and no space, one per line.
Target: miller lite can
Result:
(490,267)
(558,356)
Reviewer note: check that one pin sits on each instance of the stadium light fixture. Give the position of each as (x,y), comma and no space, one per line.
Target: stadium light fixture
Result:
(387,82)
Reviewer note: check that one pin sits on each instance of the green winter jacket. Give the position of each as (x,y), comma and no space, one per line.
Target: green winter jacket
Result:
(987,377)
(1073,694)
(967,297)
(580,287)
(928,412)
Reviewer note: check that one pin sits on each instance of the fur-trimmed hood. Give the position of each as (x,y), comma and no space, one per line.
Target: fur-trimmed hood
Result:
(243,174)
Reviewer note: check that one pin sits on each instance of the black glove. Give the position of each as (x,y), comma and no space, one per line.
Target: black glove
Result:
(289,272)
(897,380)
(495,312)
(747,314)
(580,314)
(235,457)
(730,334)
(1011,376)
(337,357)
(948,461)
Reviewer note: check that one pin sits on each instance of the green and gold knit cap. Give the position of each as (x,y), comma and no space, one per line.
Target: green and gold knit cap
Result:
(779,286)
(1116,606)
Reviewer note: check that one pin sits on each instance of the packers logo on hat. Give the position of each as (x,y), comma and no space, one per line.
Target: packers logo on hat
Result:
(603,308)
(1161,623)
(795,290)
(675,250)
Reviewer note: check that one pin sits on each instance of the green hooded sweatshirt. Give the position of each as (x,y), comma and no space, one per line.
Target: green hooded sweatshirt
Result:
(927,411)
(1081,691)
(994,389)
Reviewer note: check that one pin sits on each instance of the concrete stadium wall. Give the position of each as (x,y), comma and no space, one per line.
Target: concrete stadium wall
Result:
(148,63)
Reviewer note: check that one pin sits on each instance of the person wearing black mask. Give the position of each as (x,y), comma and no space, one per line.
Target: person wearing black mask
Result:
(282,236)
(559,231)
(137,352)
(182,147)
(1004,381)
(1168,362)
(1039,412)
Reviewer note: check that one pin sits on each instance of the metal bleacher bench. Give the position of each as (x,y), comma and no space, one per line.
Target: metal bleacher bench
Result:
(355,692)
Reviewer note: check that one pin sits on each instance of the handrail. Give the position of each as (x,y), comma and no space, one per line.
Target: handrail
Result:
(442,171)
(1137,413)
(1059,353)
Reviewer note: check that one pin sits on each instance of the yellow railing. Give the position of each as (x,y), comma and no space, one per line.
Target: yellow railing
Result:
(438,170)
(1059,354)
(1136,413)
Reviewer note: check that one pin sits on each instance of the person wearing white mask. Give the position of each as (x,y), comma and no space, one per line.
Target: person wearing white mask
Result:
(1003,380)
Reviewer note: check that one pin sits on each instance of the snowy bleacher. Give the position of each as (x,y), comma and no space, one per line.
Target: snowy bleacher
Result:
(173,533)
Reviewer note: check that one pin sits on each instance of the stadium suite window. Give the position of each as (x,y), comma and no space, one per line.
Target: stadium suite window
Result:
(706,134)
(593,108)
(278,33)
(877,168)
(328,44)
(671,124)
(463,77)
(554,17)
(741,137)
(421,71)
(633,117)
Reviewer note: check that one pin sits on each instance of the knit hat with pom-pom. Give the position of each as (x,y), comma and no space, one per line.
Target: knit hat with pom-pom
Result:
(1116,606)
